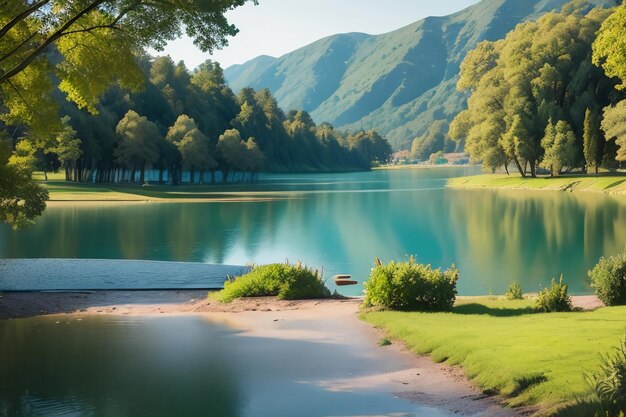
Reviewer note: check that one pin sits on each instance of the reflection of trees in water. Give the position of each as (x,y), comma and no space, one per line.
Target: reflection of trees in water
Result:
(169,231)
(530,234)
(103,367)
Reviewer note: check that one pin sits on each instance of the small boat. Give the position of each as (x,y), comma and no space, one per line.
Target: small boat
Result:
(341,280)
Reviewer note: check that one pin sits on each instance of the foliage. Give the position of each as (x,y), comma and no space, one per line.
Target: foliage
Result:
(559,144)
(67,147)
(593,141)
(138,146)
(514,291)
(502,345)
(411,286)
(21,199)
(609,384)
(434,140)
(608,279)
(555,298)
(614,126)
(540,74)
(609,48)
(287,282)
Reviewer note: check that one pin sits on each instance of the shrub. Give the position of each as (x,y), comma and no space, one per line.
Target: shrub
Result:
(287,282)
(609,385)
(608,279)
(411,286)
(555,298)
(514,292)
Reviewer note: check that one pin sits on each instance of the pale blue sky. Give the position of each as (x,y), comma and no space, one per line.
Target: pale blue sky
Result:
(276,27)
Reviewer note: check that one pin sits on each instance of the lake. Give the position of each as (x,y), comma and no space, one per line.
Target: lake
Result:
(341,222)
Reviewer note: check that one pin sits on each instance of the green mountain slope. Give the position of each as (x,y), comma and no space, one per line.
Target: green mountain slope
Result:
(396,83)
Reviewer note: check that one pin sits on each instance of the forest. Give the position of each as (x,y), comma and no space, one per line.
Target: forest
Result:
(547,98)
(183,121)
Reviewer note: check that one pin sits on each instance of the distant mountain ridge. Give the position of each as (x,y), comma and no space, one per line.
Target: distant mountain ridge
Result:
(397,83)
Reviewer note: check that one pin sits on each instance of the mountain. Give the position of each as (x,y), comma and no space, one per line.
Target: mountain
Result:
(397,83)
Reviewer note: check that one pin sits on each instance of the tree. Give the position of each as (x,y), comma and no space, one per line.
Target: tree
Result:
(231,152)
(593,140)
(540,71)
(21,198)
(255,160)
(614,127)
(609,48)
(67,147)
(432,141)
(138,145)
(372,146)
(89,45)
(196,155)
(559,143)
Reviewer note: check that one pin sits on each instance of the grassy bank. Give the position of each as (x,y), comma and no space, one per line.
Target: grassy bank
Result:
(610,184)
(505,348)
(61,190)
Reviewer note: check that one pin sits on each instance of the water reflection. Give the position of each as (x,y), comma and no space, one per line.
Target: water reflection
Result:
(123,368)
(342,222)
(184,366)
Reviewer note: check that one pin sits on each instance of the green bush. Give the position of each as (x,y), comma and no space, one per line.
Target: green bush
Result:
(409,286)
(514,292)
(609,385)
(287,282)
(608,279)
(555,298)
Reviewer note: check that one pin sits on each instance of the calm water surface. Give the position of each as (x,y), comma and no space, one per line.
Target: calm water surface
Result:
(181,366)
(341,222)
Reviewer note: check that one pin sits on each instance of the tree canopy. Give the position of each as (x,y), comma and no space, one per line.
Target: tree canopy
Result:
(81,48)
(540,74)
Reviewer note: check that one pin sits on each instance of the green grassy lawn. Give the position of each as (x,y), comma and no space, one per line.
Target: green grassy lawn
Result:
(61,190)
(505,348)
(607,183)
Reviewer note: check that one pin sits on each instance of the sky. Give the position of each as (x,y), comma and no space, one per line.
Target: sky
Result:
(276,27)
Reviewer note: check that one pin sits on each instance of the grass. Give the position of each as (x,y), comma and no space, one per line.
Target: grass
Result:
(61,190)
(613,183)
(529,358)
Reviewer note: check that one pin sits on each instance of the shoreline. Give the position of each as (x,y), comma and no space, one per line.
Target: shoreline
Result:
(24,304)
(411,377)
(614,185)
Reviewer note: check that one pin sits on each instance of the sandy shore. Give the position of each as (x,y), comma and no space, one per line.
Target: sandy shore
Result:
(406,375)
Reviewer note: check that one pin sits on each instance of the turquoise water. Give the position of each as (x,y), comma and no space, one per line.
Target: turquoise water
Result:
(341,222)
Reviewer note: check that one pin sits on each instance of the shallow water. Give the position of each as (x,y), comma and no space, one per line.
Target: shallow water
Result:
(341,222)
(182,366)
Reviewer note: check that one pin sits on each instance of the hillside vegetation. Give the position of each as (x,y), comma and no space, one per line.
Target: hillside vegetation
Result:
(397,83)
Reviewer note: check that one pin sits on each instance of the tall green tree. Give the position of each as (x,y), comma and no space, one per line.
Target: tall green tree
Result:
(614,127)
(559,143)
(231,151)
(88,45)
(593,140)
(541,71)
(21,199)
(138,146)
(195,150)
(609,48)
(67,148)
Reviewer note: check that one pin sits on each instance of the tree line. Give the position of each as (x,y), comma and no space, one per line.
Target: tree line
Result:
(547,96)
(190,122)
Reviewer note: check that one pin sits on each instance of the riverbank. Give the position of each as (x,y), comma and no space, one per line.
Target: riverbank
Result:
(324,322)
(607,184)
